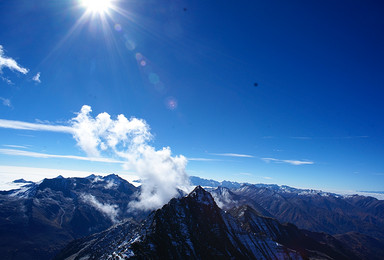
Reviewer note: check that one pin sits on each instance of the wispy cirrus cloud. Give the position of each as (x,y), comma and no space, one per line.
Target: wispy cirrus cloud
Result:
(293,162)
(6,102)
(12,124)
(8,81)
(7,62)
(44,155)
(201,159)
(36,78)
(16,146)
(234,155)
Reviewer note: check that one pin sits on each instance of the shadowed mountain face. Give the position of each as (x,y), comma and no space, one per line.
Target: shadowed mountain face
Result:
(309,244)
(194,227)
(38,220)
(365,247)
(308,209)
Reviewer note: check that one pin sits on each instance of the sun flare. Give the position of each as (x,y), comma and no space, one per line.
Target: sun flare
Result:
(97,6)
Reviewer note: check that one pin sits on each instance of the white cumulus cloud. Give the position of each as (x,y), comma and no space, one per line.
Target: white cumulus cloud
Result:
(161,173)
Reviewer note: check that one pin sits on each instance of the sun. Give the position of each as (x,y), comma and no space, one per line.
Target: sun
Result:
(97,6)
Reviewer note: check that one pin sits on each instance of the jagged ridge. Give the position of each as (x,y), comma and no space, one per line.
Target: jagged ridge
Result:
(194,227)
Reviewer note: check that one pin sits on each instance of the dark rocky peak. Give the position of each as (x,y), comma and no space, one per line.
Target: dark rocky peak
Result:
(93,183)
(57,184)
(113,177)
(201,196)
(111,182)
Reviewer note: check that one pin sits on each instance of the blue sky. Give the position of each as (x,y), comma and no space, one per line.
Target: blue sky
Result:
(188,69)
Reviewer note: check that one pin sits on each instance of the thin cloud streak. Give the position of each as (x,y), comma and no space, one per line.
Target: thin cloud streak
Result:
(16,146)
(10,63)
(293,162)
(44,155)
(202,159)
(12,124)
(234,155)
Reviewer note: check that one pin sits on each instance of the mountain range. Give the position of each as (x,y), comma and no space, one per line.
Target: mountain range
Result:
(226,219)
(194,227)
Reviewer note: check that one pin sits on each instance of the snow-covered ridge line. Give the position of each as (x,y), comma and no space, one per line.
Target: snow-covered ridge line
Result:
(20,186)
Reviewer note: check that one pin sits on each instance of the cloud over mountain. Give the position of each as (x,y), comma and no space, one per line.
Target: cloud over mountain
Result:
(161,173)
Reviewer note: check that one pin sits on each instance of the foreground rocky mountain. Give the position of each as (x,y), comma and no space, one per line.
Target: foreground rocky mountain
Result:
(194,227)
(38,220)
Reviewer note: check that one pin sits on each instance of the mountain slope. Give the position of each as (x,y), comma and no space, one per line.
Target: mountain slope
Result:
(309,209)
(363,246)
(194,227)
(308,244)
(38,220)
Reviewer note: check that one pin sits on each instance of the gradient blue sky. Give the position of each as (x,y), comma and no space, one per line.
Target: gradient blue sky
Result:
(315,120)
